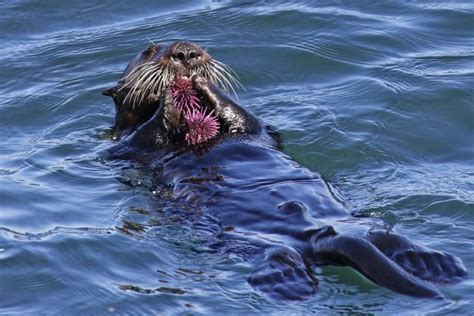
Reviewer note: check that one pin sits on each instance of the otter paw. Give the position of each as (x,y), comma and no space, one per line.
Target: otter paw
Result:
(199,81)
(283,274)
(433,266)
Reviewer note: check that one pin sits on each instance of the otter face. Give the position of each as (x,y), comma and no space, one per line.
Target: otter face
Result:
(149,75)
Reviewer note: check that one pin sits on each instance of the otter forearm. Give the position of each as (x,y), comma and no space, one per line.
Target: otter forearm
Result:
(235,119)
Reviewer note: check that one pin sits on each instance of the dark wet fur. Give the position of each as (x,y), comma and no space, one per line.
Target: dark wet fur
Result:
(288,215)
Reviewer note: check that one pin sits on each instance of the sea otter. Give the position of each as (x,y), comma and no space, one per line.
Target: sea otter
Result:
(251,191)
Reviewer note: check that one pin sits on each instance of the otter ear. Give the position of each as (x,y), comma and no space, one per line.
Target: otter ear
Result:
(111,92)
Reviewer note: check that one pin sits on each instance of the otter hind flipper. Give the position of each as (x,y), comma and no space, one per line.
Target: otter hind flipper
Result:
(363,256)
(425,263)
(281,273)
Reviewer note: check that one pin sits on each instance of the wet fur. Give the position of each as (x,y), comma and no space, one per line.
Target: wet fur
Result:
(288,217)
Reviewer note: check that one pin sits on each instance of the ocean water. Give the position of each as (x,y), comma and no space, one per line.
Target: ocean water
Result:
(378,96)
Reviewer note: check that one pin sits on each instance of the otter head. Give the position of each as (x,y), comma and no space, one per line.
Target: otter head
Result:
(147,80)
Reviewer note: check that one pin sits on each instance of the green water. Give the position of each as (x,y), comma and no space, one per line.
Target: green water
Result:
(378,96)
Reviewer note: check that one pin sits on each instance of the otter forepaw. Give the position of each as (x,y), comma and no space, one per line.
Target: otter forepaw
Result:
(200,83)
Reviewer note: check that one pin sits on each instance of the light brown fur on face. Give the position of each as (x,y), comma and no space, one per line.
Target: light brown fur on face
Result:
(150,79)
(184,58)
(148,76)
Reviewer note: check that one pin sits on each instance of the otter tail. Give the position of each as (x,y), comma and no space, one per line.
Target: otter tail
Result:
(371,262)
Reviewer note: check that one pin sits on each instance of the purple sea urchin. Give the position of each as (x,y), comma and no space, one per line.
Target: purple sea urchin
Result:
(184,95)
(201,126)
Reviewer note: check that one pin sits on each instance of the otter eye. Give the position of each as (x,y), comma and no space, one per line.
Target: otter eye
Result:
(193,55)
(181,56)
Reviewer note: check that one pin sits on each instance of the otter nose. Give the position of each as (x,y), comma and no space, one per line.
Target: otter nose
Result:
(186,52)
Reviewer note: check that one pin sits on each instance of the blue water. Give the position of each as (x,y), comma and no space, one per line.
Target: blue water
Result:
(378,96)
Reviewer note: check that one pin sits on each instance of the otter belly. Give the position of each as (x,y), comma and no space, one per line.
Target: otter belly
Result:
(245,184)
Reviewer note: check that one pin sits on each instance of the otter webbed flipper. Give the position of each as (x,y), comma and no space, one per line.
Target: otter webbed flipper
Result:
(281,273)
(427,264)
(363,256)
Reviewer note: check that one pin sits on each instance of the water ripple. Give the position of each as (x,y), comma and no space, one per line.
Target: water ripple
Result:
(377,96)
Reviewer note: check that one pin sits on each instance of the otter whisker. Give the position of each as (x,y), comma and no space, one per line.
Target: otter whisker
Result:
(222,77)
(151,87)
(168,78)
(164,81)
(210,74)
(229,73)
(148,84)
(137,87)
(134,80)
(141,82)
(152,78)
(137,72)
(225,67)
(217,76)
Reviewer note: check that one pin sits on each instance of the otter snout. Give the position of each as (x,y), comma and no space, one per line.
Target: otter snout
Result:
(186,52)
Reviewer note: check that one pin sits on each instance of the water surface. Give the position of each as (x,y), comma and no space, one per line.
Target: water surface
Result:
(376,96)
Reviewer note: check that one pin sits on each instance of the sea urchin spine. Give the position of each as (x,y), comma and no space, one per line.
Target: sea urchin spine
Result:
(184,95)
(201,126)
